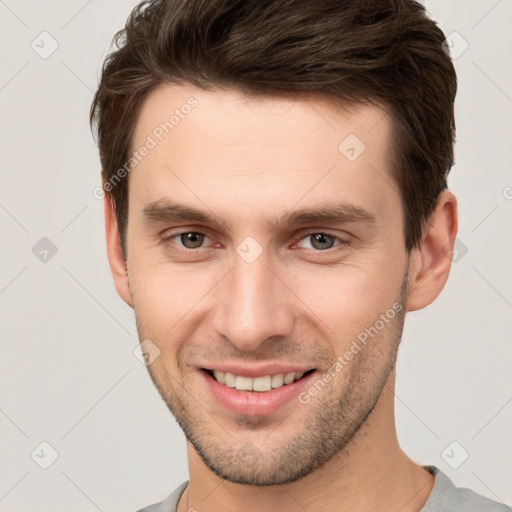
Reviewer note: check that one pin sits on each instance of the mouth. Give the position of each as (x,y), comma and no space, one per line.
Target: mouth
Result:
(260,384)
(258,390)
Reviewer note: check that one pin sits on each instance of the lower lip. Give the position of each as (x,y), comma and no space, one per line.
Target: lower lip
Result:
(255,403)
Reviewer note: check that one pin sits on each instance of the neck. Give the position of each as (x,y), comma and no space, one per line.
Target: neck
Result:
(371,472)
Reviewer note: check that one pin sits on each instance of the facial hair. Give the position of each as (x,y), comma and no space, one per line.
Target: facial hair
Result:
(333,418)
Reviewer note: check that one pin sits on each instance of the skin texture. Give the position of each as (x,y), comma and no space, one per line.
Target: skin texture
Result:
(249,161)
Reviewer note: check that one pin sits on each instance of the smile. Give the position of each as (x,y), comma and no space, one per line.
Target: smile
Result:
(260,384)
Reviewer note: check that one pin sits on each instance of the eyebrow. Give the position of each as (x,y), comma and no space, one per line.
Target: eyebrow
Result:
(165,210)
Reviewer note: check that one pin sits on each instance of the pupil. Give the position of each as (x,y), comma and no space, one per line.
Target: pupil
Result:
(191,240)
(320,238)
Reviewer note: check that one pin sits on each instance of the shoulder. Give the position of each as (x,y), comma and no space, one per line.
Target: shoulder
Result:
(446,497)
(470,501)
(170,503)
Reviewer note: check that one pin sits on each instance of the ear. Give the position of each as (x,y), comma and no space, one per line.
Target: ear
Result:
(430,263)
(115,254)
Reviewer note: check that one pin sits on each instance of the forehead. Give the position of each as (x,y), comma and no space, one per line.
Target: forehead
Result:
(231,110)
(248,149)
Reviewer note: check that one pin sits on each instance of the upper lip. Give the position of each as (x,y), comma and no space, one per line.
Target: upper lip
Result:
(257,370)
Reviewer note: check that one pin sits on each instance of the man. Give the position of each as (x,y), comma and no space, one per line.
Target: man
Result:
(276,201)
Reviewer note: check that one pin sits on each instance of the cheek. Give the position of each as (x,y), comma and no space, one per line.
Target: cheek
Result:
(165,295)
(346,299)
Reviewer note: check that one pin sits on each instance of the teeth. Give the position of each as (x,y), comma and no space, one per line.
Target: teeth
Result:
(288,378)
(277,380)
(243,383)
(229,379)
(261,384)
(219,376)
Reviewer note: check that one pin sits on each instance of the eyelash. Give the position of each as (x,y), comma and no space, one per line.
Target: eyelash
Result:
(167,241)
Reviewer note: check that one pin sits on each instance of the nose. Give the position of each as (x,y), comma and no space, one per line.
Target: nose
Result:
(254,305)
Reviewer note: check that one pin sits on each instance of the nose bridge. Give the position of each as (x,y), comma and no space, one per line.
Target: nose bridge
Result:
(254,305)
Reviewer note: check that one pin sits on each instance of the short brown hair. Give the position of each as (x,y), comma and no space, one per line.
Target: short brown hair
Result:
(383,52)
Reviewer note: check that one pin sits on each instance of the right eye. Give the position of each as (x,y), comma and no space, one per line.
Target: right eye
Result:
(188,239)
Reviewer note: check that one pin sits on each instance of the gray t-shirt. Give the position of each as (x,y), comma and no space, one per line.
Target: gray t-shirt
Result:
(444,497)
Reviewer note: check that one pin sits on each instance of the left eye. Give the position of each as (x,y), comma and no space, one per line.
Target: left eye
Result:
(321,241)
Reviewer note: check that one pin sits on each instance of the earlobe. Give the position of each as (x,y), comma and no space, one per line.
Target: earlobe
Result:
(114,251)
(430,263)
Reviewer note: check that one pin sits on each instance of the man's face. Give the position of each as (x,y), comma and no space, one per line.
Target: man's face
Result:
(257,290)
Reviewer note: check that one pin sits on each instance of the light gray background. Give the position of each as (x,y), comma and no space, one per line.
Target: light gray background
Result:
(68,373)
